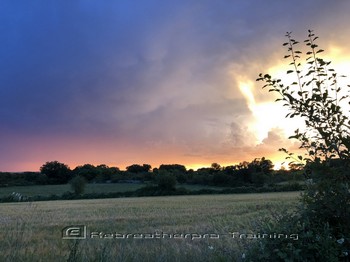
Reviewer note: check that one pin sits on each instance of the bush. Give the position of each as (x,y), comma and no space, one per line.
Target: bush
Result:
(78,184)
(166,181)
(322,227)
(302,241)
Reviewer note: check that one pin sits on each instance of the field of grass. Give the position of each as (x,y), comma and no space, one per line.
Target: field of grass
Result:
(33,231)
(47,190)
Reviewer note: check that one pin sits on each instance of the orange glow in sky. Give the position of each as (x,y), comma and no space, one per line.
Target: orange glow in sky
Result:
(162,82)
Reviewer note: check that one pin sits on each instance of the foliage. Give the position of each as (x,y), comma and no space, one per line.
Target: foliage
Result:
(57,173)
(306,244)
(23,178)
(166,181)
(216,166)
(322,220)
(138,168)
(179,171)
(78,184)
(255,173)
(98,173)
(316,97)
(173,167)
(89,172)
(262,165)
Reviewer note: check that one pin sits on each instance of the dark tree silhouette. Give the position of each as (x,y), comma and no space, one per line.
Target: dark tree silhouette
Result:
(57,173)
(138,168)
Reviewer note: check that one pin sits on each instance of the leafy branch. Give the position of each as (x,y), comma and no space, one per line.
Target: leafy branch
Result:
(316,97)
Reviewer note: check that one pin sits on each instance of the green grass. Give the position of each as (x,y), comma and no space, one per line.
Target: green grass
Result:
(32,231)
(47,190)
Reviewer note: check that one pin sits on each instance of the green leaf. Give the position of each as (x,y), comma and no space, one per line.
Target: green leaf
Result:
(290,71)
(325,95)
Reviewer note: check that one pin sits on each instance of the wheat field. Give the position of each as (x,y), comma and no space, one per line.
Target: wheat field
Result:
(174,228)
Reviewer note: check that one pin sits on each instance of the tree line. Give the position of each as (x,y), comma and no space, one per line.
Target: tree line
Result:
(257,173)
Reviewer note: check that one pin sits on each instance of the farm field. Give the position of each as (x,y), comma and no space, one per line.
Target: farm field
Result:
(47,190)
(184,228)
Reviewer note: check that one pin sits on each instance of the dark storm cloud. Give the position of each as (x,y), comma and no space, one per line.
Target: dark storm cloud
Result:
(148,72)
(73,62)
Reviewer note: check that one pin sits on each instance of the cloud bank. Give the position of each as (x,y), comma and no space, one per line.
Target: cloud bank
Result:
(149,82)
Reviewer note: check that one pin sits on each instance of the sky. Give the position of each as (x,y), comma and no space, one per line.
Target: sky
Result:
(159,82)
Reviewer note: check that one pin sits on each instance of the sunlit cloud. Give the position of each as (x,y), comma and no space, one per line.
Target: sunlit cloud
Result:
(158,82)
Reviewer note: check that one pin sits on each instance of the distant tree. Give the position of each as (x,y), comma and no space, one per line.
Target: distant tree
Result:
(78,184)
(215,166)
(173,167)
(220,179)
(179,171)
(135,168)
(203,176)
(166,181)
(56,172)
(147,167)
(35,178)
(230,170)
(88,171)
(266,165)
(295,166)
(261,165)
(243,165)
(243,173)
(105,173)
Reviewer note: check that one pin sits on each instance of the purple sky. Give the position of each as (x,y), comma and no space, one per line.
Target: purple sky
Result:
(124,82)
